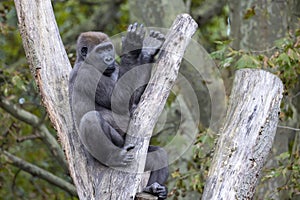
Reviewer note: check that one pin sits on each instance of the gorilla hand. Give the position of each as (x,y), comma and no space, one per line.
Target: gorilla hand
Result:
(133,41)
(121,158)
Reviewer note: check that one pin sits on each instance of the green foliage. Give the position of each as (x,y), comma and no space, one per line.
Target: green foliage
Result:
(284,61)
(289,168)
(194,178)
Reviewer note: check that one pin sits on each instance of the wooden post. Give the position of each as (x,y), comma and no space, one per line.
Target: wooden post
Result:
(246,136)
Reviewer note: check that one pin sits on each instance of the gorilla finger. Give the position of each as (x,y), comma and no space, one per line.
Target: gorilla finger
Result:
(134,28)
(129,147)
(128,160)
(160,189)
(141,32)
(140,29)
(162,196)
(155,34)
(161,37)
(129,28)
(151,33)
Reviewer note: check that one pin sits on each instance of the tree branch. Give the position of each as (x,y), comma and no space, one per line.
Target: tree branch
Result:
(34,121)
(41,173)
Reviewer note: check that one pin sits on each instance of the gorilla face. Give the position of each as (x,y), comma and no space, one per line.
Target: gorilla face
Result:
(102,57)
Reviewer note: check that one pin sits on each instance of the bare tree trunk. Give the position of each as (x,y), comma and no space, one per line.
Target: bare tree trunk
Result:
(246,137)
(50,67)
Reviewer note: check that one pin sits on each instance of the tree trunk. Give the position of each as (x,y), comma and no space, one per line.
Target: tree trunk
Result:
(246,137)
(50,66)
(256,24)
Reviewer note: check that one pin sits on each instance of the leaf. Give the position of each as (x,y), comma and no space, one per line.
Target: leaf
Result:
(176,174)
(18,82)
(250,12)
(247,61)
(227,62)
(284,59)
(283,156)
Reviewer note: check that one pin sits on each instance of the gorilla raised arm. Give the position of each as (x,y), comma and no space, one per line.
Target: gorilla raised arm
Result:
(103,95)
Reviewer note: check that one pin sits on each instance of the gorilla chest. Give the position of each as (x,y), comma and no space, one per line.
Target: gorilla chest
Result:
(104,91)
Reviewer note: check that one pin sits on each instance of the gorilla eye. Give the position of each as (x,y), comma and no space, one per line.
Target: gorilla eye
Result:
(84,51)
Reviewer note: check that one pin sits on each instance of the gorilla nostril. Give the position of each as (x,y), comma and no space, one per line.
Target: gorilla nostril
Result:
(108,60)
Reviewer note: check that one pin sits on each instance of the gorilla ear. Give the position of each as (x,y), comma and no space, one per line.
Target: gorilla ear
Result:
(84,51)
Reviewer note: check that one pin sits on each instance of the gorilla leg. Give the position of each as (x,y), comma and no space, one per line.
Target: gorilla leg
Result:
(157,163)
(103,141)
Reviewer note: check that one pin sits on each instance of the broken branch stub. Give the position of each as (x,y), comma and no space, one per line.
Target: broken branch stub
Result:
(246,136)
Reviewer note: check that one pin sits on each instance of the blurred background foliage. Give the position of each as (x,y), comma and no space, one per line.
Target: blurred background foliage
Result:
(222,35)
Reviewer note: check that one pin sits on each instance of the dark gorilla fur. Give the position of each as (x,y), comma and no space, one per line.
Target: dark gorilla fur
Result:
(101,107)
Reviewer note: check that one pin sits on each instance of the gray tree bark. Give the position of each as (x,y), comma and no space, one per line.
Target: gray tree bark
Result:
(246,137)
(50,66)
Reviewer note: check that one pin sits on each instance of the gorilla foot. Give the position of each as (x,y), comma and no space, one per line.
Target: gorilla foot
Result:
(158,190)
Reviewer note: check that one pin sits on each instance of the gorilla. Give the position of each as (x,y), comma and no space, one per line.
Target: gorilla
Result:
(104,94)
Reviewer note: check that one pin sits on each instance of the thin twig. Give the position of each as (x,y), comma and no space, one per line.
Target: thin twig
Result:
(29,137)
(290,128)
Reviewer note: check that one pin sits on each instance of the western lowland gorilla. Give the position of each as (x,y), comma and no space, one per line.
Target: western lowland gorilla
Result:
(103,96)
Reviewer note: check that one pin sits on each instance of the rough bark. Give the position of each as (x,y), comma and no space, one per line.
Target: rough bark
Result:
(246,137)
(50,66)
